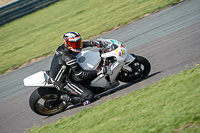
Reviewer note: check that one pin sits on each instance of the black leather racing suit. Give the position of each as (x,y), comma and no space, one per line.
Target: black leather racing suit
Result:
(65,61)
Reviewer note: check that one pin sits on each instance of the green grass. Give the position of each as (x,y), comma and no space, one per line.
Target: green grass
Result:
(40,33)
(169,106)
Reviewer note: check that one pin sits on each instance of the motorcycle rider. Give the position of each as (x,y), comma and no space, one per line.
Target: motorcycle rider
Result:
(64,62)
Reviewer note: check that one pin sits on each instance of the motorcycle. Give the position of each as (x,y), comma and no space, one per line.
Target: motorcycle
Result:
(121,66)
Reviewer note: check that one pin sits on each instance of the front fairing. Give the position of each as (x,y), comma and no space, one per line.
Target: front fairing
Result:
(120,52)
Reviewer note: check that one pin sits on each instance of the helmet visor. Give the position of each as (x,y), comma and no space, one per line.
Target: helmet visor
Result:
(77,44)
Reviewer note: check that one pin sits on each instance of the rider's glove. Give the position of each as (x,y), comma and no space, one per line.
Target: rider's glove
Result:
(98,44)
(102,70)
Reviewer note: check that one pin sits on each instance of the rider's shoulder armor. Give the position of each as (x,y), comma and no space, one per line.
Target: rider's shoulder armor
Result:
(62,50)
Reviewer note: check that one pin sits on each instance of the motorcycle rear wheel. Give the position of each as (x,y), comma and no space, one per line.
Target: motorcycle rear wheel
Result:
(46,101)
(140,69)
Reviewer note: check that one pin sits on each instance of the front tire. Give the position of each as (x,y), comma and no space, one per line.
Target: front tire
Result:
(46,101)
(140,68)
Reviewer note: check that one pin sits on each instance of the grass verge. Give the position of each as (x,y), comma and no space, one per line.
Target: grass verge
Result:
(40,33)
(171,105)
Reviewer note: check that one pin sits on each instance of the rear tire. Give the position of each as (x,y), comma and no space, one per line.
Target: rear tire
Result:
(140,69)
(46,101)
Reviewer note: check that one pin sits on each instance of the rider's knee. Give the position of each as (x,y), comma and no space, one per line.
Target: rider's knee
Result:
(87,94)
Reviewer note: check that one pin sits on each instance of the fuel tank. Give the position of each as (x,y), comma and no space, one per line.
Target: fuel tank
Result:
(88,60)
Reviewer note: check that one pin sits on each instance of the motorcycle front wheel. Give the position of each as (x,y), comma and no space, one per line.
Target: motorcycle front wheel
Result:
(46,101)
(140,68)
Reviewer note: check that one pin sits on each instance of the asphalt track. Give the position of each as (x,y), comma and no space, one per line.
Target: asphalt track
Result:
(169,39)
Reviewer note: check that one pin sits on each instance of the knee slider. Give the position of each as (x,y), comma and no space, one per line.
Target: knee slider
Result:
(87,94)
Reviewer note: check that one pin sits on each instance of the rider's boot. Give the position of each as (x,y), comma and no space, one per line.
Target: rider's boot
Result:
(65,98)
(73,100)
